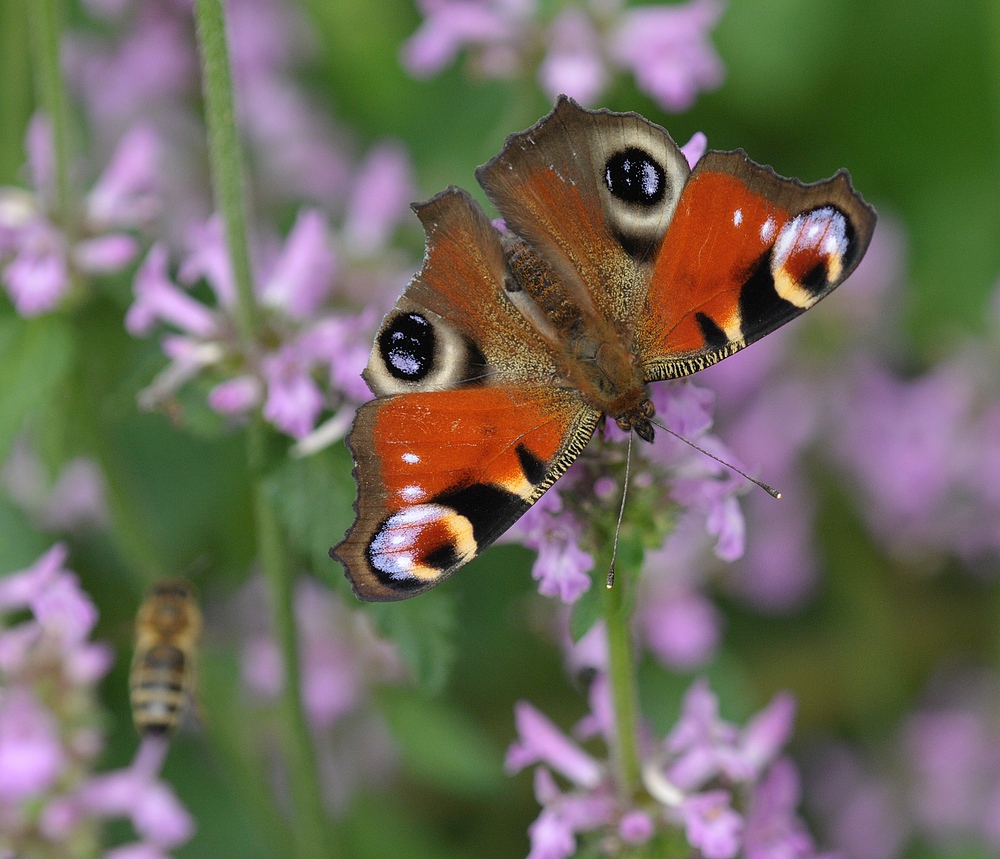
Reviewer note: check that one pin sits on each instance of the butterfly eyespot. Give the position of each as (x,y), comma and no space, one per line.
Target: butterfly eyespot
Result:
(407,347)
(634,176)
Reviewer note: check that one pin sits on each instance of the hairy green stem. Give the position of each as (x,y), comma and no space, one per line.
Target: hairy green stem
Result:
(621,677)
(45,18)
(227,176)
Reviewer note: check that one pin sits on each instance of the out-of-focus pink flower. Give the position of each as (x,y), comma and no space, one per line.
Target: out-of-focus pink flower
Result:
(738,769)
(574,64)
(667,49)
(711,825)
(542,742)
(31,755)
(294,400)
(695,148)
(450,25)
(37,257)
(303,274)
(235,396)
(773,828)
(158,299)
(681,628)
(383,190)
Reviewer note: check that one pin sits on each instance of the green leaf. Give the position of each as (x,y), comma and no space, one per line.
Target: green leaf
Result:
(35,358)
(443,747)
(314,497)
(423,629)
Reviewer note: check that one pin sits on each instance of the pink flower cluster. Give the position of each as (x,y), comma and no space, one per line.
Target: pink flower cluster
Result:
(40,260)
(48,735)
(726,788)
(666,46)
(315,362)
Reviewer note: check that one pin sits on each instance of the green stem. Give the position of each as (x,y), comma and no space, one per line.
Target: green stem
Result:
(45,24)
(621,676)
(227,175)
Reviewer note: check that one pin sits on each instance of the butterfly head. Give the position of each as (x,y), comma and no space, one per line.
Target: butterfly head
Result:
(639,419)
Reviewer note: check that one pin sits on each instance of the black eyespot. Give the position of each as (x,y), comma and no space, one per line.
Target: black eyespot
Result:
(407,347)
(634,176)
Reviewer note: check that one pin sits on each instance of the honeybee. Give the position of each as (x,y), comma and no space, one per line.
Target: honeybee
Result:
(161,681)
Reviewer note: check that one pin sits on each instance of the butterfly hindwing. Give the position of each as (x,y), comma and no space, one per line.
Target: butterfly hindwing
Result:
(745,252)
(462,437)
(444,473)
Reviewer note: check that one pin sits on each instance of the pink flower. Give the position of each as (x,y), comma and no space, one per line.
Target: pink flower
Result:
(235,396)
(573,64)
(450,25)
(711,825)
(668,50)
(695,148)
(542,742)
(681,628)
(303,274)
(636,827)
(380,199)
(157,299)
(293,401)
(773,829)
(31,755)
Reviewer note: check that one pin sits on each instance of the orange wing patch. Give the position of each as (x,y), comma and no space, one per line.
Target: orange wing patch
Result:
(446,473)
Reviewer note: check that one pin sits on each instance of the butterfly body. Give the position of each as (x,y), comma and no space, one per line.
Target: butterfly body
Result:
(618,266)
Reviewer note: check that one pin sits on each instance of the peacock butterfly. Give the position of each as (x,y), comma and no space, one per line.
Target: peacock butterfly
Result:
(619,266)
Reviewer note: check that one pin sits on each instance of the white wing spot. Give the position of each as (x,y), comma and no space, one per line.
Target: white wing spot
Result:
(737,217)
(411,458)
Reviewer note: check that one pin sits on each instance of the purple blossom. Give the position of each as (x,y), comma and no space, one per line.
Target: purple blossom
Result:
(48,796)
(541,741)
(38,259)
(31,755)
(695,148)
(574,64)
(294,400)
(636,827)
(740,797)
(773,830)
(302,276)
(681,627)
(711,825)
(158,299)
(666,47)
(562,568)
(383,189)
(450,25)
(235,396)
(668,51)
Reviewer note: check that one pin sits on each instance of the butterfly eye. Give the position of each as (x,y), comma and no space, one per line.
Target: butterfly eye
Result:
(407,347)
(634,176)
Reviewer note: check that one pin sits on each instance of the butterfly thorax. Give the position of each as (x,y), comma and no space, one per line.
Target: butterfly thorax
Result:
(593,355)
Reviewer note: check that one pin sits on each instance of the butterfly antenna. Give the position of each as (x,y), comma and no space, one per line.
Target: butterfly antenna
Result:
(770,490)
(621,512)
